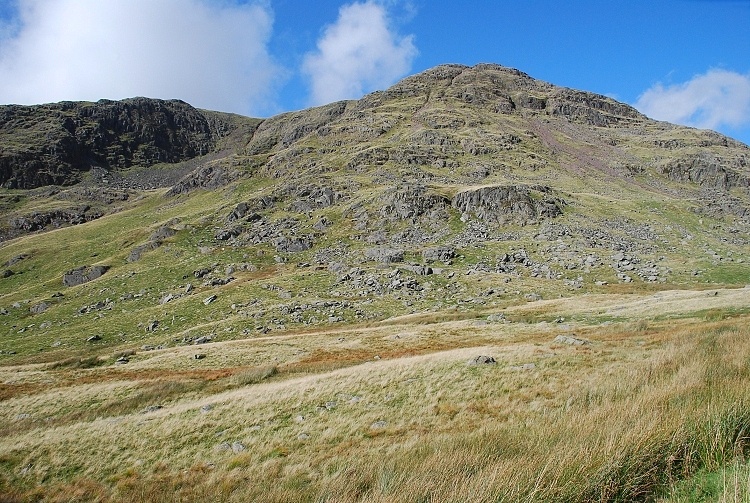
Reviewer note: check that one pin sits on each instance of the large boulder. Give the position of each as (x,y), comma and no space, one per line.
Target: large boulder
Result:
(84,274)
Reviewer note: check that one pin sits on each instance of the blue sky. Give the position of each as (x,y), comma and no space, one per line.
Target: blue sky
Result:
(686,61)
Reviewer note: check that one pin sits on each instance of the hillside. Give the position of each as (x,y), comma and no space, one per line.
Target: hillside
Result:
(296,298)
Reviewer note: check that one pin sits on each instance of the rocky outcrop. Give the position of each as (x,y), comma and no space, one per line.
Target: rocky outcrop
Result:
(411,202)
(211,176)
(706,170)
(508,204)
(40,220)
(55,144)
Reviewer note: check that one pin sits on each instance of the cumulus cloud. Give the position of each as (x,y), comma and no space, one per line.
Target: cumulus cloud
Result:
(211,54)
(708,101)
(360,52)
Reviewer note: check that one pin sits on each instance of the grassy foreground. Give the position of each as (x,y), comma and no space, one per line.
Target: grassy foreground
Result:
(395,413)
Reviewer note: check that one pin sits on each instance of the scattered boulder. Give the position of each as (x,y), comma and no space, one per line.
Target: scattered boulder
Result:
(570,340)
(438,254)
(84,274)
(292,245)
(39,308)
(201,272)
(94,338)
(202,340)
(137,252)
(209,300)
(7,273)
(482,360)
(162,233)
(384,255)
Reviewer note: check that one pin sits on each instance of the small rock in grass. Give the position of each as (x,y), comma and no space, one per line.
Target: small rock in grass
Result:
(481,360)
(378,425)
(572,341)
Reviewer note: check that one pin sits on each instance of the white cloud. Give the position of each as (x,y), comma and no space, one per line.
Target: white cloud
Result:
(357,54)
(708,101)
(211,54)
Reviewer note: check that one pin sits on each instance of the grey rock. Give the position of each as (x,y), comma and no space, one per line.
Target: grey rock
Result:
(39,308)
(509,204)
(202,339)
(438,254)
(570,340)
(209,299)
(137,252)
(94,338)
(379,425)
(292,244)
(482,360)
(384,255)
(83,274)
(162,233)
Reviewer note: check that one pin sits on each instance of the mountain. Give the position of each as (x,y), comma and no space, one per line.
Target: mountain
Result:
(204,299)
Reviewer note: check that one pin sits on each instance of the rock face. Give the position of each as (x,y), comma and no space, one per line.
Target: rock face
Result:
(55,144)
(56,218)
(504,204)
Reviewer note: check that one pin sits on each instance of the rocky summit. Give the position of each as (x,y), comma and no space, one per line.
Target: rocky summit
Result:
(467,251)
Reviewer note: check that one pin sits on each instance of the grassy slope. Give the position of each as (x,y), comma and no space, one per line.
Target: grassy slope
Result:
(394,413)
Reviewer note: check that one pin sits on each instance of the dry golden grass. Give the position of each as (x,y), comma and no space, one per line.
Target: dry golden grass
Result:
(394,413)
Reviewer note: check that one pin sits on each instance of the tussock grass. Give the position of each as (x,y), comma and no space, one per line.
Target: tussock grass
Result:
(77,362)
(618,421)
(254,375)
